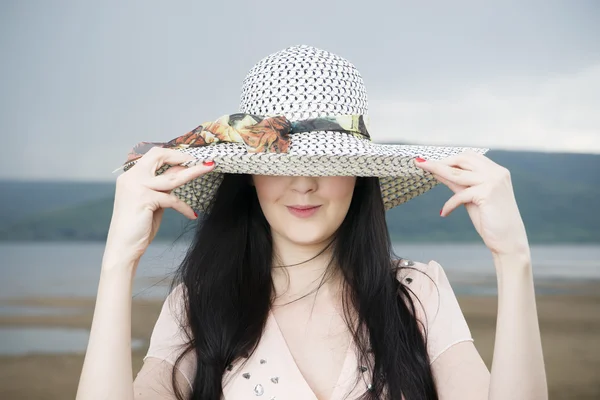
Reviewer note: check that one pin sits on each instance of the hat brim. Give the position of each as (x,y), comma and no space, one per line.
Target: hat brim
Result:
(321,154)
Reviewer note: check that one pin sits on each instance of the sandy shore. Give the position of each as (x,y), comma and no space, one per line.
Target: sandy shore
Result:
(570,327)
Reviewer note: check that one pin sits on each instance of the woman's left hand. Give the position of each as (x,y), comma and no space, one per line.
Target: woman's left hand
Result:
(485,189)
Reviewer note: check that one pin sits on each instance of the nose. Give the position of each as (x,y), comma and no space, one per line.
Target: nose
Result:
(304,184)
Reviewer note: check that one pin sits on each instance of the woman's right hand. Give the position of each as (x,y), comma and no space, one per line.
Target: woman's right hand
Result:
(141,198)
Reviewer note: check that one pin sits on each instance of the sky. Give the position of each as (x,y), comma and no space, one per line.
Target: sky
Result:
(82,83)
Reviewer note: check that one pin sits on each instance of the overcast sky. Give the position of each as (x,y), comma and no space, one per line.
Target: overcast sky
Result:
(82,83)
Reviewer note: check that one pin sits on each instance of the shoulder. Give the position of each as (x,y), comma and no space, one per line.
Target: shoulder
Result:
(177,296)
(436,305)
(171,329)
(419,275)
(428,287)
(173,308)
(171,334)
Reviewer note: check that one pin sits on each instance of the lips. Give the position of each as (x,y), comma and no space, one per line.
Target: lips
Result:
(303,211)
(306,207)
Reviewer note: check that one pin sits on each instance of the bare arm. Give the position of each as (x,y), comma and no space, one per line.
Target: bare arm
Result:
(518,371)
(518,364)
(140,200)
(107,368)
(108,356)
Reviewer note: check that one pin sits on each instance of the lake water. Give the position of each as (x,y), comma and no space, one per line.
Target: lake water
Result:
(14,309)
(72,269)
(18,340)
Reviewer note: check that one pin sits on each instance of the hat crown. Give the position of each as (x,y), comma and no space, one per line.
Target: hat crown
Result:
(303,82)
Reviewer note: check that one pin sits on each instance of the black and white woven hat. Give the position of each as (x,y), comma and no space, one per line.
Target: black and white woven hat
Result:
(305,83)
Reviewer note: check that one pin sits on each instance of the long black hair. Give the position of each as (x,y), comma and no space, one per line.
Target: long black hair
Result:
(226,276)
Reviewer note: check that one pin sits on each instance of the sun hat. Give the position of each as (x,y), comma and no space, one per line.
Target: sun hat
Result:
(303,112)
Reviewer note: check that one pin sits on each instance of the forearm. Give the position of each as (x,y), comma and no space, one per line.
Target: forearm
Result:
(107,368)
(518,370)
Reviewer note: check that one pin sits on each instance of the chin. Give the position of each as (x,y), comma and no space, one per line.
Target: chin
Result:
(306,235)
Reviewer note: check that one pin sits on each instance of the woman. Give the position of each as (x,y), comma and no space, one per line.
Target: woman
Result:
(289,289)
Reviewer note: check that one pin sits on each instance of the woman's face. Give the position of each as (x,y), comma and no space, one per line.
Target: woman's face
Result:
(304,210)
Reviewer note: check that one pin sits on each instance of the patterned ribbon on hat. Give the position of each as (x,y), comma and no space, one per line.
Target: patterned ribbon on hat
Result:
(259,134)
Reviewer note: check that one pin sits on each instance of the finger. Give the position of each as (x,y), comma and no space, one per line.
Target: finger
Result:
(166,200)
(168,182)
(452,174)
(463,197)
(454,187)
(169,171)
(174,169)
(156,157)
(468,160)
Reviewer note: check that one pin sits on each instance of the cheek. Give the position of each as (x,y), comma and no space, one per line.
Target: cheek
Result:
(269,189)
(338,189)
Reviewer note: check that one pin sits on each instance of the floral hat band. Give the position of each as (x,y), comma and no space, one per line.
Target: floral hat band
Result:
(258,134)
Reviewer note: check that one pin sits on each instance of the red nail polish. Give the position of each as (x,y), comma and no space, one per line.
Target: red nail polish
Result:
(208,163)
(441,211)
(419,159)
(195,215)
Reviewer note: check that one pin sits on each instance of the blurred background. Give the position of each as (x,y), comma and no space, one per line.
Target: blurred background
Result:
(82,83)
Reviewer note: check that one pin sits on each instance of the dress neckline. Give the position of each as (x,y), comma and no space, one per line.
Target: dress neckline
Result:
(341,386)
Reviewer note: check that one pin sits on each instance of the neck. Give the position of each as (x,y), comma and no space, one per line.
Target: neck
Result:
(300,270)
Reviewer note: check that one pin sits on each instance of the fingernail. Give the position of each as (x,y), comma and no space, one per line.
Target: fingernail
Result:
(419,159)
(208,163)
(195,215)
(441,211)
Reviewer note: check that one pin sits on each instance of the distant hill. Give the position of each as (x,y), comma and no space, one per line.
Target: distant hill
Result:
(20,199)
(558,195)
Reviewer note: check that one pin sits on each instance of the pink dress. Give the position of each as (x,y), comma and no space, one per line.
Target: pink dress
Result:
(271,372)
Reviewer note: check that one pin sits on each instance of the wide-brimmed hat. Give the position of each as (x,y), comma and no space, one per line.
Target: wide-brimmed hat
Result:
(303,112)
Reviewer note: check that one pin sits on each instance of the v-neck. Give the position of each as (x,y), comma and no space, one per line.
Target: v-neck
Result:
(272,372)
(279,341)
